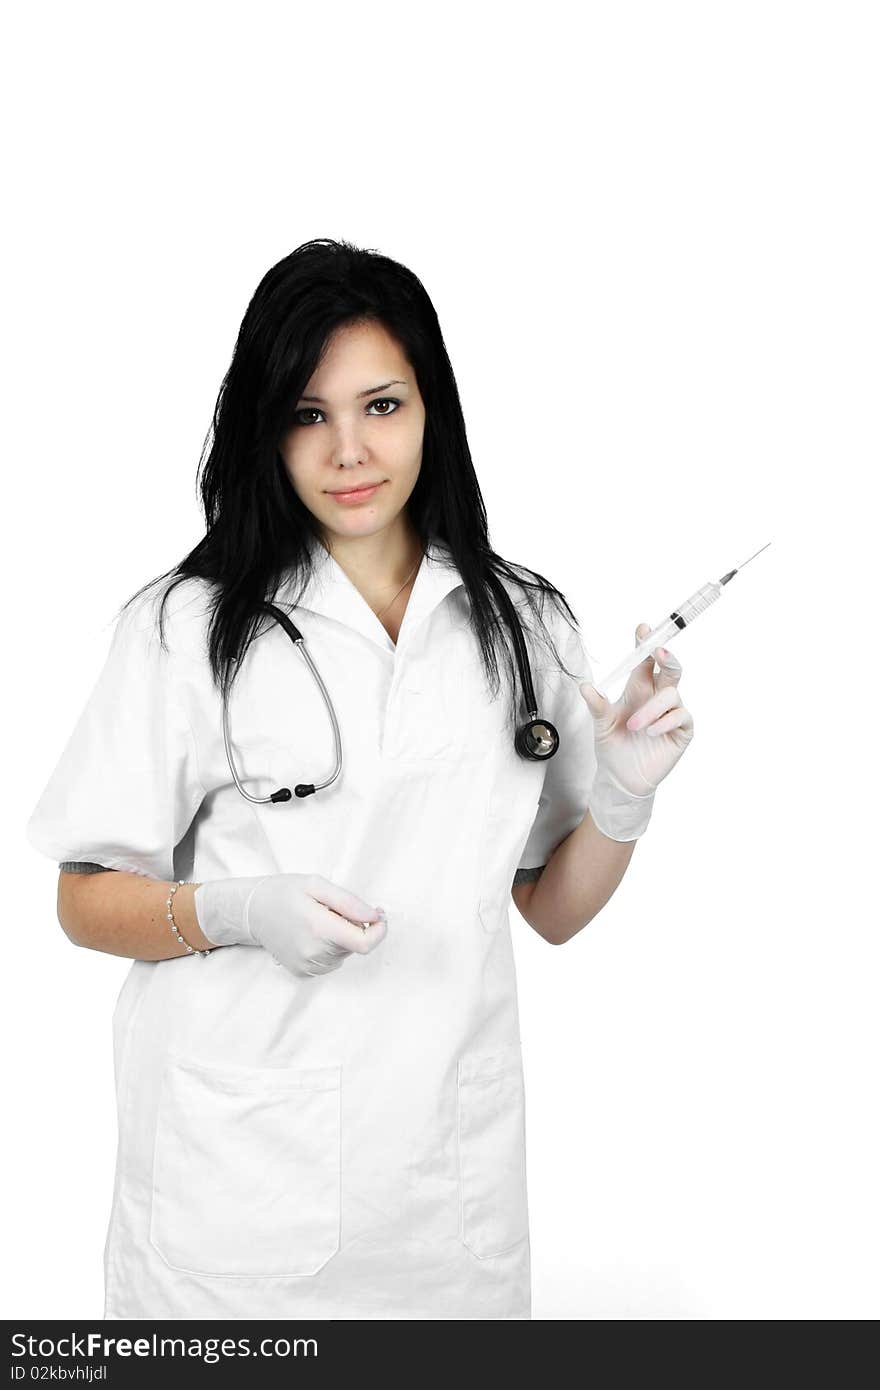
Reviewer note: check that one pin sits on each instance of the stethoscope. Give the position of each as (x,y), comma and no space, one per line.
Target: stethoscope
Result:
(536,739)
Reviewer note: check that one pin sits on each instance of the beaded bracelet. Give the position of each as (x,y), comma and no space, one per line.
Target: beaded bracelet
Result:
(174,927)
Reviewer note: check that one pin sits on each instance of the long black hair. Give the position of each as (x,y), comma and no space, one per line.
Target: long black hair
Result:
(258,530)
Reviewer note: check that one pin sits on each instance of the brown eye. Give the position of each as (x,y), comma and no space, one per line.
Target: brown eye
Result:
(380,400)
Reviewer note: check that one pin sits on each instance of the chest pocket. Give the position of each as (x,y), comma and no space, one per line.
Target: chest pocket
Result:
(417,725)
(439,706)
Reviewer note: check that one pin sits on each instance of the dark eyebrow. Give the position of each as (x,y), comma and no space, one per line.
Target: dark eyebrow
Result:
(371,390)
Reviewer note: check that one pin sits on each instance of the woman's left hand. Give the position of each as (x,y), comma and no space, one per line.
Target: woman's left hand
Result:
(641,737)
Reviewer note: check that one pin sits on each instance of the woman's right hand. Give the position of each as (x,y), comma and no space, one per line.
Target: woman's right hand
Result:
(308,924)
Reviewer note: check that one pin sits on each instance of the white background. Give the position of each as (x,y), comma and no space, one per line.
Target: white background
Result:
(650,232)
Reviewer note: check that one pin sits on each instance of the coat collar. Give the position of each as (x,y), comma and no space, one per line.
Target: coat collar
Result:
(330,592)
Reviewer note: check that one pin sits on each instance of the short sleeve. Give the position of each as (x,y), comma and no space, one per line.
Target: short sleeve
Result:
(569,774)
(127,785)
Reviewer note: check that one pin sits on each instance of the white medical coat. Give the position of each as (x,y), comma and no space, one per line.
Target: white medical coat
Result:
(349,1145)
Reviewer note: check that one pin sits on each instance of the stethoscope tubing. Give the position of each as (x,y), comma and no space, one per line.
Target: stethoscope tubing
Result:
(302,789)
(527,739)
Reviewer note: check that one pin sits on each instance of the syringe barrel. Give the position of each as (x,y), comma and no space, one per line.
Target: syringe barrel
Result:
(695,605)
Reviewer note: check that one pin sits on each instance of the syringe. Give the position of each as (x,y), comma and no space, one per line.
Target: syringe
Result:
(661,636)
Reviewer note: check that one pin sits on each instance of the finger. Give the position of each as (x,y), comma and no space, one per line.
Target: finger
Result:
(598,705)
(641,633)
(676,719)
(370,935)
(373,934)
(341,900)
(670,668)
(659,703)
(340,932)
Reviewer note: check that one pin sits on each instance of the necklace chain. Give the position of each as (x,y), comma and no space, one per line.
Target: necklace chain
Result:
(401,589)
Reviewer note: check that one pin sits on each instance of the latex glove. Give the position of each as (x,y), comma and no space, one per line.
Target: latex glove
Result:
(305,922)
(638,741)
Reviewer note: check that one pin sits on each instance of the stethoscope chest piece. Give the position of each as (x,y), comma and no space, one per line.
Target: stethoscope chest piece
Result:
(537,740)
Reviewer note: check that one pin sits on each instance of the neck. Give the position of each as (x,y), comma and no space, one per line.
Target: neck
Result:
(385,560)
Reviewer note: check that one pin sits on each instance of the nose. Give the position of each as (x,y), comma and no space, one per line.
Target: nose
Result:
(348,445)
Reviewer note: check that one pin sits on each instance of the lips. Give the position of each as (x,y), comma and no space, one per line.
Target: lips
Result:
(352,497)
(363,487)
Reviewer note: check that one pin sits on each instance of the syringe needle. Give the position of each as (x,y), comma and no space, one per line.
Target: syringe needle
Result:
(731,573)
(757,552)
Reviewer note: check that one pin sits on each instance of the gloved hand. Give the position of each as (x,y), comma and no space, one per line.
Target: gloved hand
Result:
(630,764)
(304,921)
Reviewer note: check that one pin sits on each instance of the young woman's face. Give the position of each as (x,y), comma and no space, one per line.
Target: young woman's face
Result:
(359,424)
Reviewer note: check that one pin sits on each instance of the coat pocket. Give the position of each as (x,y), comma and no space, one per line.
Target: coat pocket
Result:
(246,1171)
(491,1151)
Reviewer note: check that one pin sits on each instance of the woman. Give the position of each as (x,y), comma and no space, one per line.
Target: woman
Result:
(318,1064)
